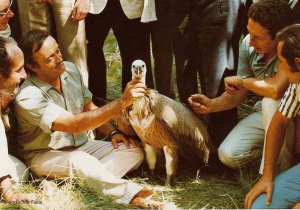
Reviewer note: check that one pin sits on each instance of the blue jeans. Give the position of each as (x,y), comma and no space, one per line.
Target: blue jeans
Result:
(286,191)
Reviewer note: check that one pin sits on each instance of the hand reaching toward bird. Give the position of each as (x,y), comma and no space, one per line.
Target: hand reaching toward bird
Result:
(201,104)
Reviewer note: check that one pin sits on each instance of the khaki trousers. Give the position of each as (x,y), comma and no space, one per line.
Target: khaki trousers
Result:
(97,164)
(70,34)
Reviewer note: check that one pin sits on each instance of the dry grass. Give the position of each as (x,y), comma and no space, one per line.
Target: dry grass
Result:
(195,189)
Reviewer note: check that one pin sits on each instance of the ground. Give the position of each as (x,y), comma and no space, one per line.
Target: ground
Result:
(202,187)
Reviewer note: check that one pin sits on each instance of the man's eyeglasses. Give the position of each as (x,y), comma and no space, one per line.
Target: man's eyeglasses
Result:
(4,12)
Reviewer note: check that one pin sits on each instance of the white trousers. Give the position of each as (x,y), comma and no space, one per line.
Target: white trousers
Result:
(10,165)
(245,143)
(97,164)
(70,34)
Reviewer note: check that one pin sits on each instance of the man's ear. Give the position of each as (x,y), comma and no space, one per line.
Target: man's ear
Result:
(31,67)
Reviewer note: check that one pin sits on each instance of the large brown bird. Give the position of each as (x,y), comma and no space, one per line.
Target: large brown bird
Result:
(163,123)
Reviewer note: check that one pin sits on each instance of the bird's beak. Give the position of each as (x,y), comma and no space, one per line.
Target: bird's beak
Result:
(138,70)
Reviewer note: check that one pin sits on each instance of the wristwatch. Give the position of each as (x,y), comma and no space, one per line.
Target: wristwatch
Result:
(114,132)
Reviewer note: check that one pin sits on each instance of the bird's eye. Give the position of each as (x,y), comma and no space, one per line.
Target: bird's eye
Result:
(143,66)
(133,66)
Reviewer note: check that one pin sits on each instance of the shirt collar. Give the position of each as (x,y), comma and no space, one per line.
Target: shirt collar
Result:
(44,86)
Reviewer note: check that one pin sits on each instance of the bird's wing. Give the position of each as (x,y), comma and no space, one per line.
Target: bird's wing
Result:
(123,124)
(188,130)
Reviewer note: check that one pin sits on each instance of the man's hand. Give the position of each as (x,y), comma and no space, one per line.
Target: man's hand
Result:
(117,138)
(134,89)
(80,10)
(233,84)
(200,104)
(297,206)
(5,99)
(46,1)
(10,195)
(264,185)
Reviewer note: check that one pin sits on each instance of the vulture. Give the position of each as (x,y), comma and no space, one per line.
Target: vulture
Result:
(165,124)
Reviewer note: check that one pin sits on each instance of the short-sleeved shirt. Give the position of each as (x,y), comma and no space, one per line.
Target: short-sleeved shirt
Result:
(290,103)
(39,104)
(251,65)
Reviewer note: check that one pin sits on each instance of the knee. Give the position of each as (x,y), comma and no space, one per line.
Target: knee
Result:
(269,102)
(79,160)
(228,158)
(269,107)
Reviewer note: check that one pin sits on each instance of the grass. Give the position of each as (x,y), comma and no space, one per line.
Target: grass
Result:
(194,189)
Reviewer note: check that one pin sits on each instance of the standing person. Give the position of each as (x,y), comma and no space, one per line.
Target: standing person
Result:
(282,191)
(123,17)
(217,27)
(295,5)
(68,24)
(55,111)
(11,74)
(257,72)
(168,37)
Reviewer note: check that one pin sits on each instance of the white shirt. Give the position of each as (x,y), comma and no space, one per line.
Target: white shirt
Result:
(144,9)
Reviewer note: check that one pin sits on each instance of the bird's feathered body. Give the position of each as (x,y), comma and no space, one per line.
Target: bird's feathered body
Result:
(163,123)
(160,121)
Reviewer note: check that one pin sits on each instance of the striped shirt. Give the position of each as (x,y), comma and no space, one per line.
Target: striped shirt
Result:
(290,103)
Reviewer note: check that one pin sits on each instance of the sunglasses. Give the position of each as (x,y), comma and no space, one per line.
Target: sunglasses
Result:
(5,11)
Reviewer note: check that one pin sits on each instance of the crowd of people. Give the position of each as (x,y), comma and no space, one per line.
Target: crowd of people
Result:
(50,90)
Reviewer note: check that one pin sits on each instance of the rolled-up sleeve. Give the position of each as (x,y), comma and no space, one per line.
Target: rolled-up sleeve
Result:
(51,113)
(37,110)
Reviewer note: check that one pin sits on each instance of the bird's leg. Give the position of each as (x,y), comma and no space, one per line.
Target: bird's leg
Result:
(151,157)
(171,155)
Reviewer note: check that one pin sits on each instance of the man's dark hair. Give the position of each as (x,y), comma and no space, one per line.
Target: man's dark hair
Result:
(31,43)
(291,47)
(274,15)
(5,60)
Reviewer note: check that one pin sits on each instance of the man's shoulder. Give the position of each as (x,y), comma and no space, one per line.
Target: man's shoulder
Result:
(28,87)
(28,91)
(71,69)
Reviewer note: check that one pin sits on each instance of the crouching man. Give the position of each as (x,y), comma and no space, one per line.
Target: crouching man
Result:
(55,112)
(282,191)
(11,74)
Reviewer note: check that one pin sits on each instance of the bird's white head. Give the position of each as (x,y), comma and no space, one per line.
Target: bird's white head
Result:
(138,70)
